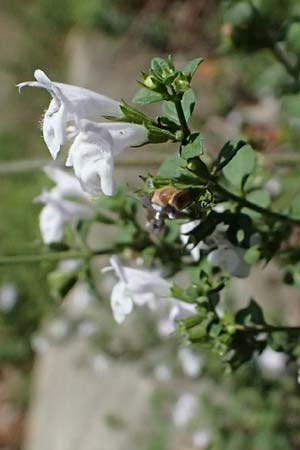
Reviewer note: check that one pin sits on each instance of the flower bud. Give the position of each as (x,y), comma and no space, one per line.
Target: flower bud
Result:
(182,85)
(150,83)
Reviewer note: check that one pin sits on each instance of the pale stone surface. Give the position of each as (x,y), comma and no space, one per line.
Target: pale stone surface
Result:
(265,285)
(75,408)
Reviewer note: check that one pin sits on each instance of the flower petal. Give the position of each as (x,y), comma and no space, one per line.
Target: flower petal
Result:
(51,224)
(54,126)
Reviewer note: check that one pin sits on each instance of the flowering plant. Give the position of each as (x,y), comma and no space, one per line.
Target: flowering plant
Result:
(211,216)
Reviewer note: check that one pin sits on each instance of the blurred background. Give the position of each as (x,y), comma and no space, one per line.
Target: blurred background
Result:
(69,377)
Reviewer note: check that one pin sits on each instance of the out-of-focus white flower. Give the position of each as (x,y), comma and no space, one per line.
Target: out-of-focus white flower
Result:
(69,103)
(39,343)
(80,298)
(191,362)
(222,253)
(274,187)
(271,363)
(231,259)
(94,149)
(58,209)
(58,329)
(185,409)
(100,363)
(185,229)
(162,372)
(86,328)
(66,185)
(202,439)
(135,286)
(69,265)
(165,327)
(178,310)
(8,297)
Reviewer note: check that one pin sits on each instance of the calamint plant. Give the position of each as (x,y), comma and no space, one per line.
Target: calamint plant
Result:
(208,217)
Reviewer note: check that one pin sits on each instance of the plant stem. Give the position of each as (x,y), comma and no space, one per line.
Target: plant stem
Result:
(266,329)
(52,256)
(247,204)
(281,56)
(181,117)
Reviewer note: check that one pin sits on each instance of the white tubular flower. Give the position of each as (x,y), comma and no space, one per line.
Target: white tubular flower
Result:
(66,184)
(135,286)
(69,103)
(202,438)
(94,148)
(185,409)
(58,210)
(231,259)
(191,362)
(8,297)
(271,363)
(185,229)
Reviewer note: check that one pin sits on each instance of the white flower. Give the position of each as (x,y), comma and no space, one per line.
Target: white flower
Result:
(191,363)
(58,210)
(66,185)
(202,439)
(230,259)
(222,253)
(185,229)
(162,372)
(140,287)
(80,299)
(271,363)
(274,187)
(178,310)
(8,297)
(185,409)
(69,103)
(94,149)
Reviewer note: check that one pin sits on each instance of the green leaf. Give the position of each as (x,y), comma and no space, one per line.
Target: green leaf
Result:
(252,255)
(251,315)
(241,165)
(260,197)
(193,148)
(157,135)
(290,105)
(134,116)
(159,67)
(295,207)
(145,96)
(169,110)
(188,103)
(171,167)
(228,152)
(191,67)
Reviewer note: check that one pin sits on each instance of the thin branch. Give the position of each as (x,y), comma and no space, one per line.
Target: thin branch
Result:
(247,204)
(53,256)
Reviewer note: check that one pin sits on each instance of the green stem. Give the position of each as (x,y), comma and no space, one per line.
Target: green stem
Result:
(266,329)
(247,204)
(52,256)
(281,56)
(181,117)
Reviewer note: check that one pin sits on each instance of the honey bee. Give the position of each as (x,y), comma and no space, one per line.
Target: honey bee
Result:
(166,203)
(170,196)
